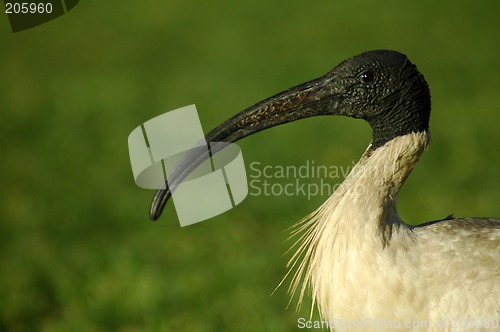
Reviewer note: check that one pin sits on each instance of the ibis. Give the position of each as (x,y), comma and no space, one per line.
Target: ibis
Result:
(358,259)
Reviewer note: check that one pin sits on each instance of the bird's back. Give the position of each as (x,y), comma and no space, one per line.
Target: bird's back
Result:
(470,239)
(462,259)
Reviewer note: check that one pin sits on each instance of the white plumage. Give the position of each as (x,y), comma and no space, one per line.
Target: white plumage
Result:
(362,261)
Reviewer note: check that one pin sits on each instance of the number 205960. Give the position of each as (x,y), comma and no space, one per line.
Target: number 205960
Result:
(28,7)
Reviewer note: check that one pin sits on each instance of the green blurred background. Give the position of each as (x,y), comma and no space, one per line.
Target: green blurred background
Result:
(77,251)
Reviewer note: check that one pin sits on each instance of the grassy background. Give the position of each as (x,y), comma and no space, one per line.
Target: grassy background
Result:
(77,251)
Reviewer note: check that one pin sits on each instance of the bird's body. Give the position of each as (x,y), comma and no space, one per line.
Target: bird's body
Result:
(359,258)
(363,262)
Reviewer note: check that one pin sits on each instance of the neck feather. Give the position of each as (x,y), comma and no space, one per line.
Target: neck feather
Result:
(359,217)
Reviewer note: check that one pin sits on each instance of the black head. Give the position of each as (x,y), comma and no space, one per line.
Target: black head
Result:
(381,87)
(385,89)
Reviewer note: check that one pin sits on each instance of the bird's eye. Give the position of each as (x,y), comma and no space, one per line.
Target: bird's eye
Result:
(366,76)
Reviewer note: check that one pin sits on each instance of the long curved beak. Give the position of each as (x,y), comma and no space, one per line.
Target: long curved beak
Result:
(322,96)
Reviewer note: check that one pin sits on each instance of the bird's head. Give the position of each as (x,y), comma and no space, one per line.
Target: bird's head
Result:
(381,87)
(385,89)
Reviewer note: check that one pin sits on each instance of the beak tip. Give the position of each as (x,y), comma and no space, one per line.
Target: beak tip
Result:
(159,201)
(153,216)
(153,213)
